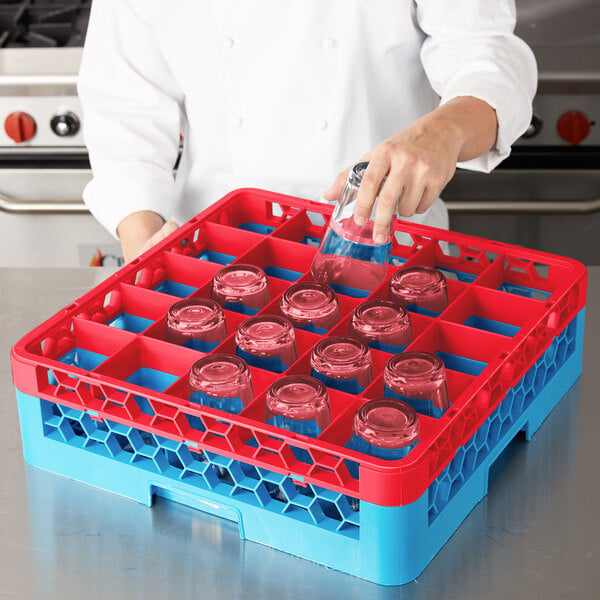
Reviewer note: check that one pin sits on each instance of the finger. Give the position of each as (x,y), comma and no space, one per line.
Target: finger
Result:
(387,203)
(369,186)
(335,191)
(167,229)
(145,247)
(129,254)
(411,198)
(429,197)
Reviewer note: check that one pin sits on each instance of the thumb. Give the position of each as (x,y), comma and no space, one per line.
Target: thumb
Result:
(335,191)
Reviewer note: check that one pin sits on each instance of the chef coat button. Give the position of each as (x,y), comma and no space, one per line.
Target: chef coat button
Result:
(329,42)
(323,125)
(237,121)
(227,42)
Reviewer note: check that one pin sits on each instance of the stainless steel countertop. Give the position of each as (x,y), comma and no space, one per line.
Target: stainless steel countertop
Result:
(536,535)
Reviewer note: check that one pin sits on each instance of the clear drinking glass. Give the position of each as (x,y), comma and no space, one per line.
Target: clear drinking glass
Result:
(424,287)
(221,381)
(348,259)
(418,378)
(196,322)
(385,428)
(383,324)
(298,403)
(267,342)
(241,288)
(342,363)
(311,306)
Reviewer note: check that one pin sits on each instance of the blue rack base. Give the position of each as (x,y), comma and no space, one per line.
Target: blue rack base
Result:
(385,545)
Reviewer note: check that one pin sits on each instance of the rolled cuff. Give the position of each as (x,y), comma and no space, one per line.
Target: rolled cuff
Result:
(513,119)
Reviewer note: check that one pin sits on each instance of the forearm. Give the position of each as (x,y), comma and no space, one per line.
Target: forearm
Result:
(472,122)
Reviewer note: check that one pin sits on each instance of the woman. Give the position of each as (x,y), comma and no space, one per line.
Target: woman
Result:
(286,94)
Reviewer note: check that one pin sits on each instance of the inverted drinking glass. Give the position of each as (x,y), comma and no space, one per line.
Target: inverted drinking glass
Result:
(348,258)
(383,324)
(388,427)
(310,305)
(418,378)
(267,342)
(342,363)
(196,322)
(221,381)
(242,288)
(385,428)
(423,287)
(298,403)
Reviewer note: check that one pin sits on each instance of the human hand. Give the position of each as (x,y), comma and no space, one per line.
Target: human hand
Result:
(140,231)
(418,162)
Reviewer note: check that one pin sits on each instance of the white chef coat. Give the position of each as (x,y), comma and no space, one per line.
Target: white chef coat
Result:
(280,94)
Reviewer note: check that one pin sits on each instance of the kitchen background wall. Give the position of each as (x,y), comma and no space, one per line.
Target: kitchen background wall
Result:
(546,196)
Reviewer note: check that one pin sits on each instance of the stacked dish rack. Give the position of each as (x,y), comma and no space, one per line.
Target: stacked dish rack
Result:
(102,397)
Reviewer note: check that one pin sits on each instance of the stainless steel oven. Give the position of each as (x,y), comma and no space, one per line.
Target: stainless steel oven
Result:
(547,194)
(43,160)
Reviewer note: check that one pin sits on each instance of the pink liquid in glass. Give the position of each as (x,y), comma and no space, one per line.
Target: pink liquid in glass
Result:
(310,304)
(270,338)
(340,359)
(238,284)
(383,322)
(348,256)
(298,403)
(221,381)
(197,319)
(387,423)
(422,286)
(420,379)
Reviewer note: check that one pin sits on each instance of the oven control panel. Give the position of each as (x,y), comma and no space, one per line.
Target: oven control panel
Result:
(564,120)
(40,122)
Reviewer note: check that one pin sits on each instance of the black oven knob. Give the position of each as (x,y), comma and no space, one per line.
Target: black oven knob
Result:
(534,127)
(65,124)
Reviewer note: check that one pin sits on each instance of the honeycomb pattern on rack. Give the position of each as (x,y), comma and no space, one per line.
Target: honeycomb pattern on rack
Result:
(477,448)
(205,470)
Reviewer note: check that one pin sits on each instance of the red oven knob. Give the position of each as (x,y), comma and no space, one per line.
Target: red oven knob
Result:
(19,126)
(573,127)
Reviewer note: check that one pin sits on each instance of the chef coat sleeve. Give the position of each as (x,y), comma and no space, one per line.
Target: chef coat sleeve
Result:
(471,50)
(132,110)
